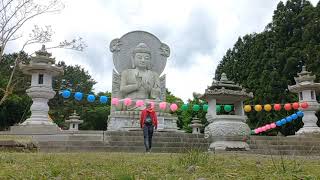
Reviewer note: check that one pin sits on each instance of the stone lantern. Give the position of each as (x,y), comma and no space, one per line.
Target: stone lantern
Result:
(226,132)
(196,125)
(306,89)
(74,121)
(42,68)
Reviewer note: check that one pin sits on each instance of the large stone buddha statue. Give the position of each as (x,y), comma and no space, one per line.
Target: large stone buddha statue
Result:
(140,82)
(139,58)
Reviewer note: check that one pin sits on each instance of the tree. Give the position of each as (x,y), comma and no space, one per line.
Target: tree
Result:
(16,108)
(266,63)
(14,14)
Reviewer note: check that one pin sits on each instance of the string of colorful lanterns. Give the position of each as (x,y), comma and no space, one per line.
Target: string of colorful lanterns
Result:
(79,96)
(279,123)
(276,107)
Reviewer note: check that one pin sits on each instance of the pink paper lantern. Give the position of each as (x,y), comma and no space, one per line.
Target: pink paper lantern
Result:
(139,103)
(263,128)
(256,131)
(259,129)
(152,104)
(273,125)
(162,105)
(127,101)
(115,101)
(173,107)
(268,126)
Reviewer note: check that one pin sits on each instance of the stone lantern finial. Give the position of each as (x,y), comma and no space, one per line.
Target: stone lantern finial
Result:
(224,77)
(43,52)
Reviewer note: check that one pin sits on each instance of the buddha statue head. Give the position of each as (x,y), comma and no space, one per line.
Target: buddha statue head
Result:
(141,57)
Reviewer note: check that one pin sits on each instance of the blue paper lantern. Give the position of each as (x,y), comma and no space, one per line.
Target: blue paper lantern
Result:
(278,123)
(300,113)
(91,98)
(103,99)
(283,121)
(294,116)
(66,94)
(289,119)
(78,96)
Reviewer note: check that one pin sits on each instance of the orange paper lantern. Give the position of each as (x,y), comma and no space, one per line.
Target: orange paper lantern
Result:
(267,107)
(258,107)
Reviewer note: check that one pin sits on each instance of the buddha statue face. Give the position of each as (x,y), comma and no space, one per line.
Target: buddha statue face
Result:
(141,57)
(142,60)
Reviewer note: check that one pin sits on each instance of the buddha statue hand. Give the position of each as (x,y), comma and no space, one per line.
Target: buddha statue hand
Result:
(139,81)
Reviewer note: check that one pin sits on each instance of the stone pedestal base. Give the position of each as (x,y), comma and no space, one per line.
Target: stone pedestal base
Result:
(229,145)
(130,121)
(35,129)
(227,132)
(308,130)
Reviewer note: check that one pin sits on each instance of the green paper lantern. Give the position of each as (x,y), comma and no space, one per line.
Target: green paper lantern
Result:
(196,107)
(227,108)
(205,107)
(184,107)
(218,108)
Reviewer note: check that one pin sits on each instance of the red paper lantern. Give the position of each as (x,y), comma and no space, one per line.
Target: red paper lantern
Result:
(304,105)
(295,105)
(277,107)
(287,107)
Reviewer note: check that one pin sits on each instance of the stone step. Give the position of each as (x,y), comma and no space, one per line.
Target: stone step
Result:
(156,139)
(162,134)
(160,144)
(262,143)
(117,143)
(136,149)
(73,143)
(287,147)
(288,138)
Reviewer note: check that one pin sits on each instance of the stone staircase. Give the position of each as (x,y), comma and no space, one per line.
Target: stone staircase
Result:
(290,145)
(170,142)
(132,141)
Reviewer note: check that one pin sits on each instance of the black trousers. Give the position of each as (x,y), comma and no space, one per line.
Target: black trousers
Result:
(147,134)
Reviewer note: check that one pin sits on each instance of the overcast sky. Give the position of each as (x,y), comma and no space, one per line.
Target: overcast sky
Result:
(198,33)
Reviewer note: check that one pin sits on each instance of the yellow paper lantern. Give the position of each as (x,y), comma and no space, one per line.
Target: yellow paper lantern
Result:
(258,107)
(267,107)
(247,108)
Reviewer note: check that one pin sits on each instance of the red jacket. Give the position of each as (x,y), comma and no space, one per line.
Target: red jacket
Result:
(153,116)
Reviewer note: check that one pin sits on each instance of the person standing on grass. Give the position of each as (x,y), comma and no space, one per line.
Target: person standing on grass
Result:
(148,122)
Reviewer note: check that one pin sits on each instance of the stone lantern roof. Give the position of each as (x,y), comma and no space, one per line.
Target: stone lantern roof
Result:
(226,91)
(42,61)
(42,56)
(304,81)
(74,118)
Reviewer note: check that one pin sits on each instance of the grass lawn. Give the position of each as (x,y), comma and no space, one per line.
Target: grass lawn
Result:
(192,165)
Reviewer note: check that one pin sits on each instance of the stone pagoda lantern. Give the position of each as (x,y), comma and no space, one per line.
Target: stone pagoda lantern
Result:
(226,132)
(42,68)
(74,121)
(196,125)
(306,89)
